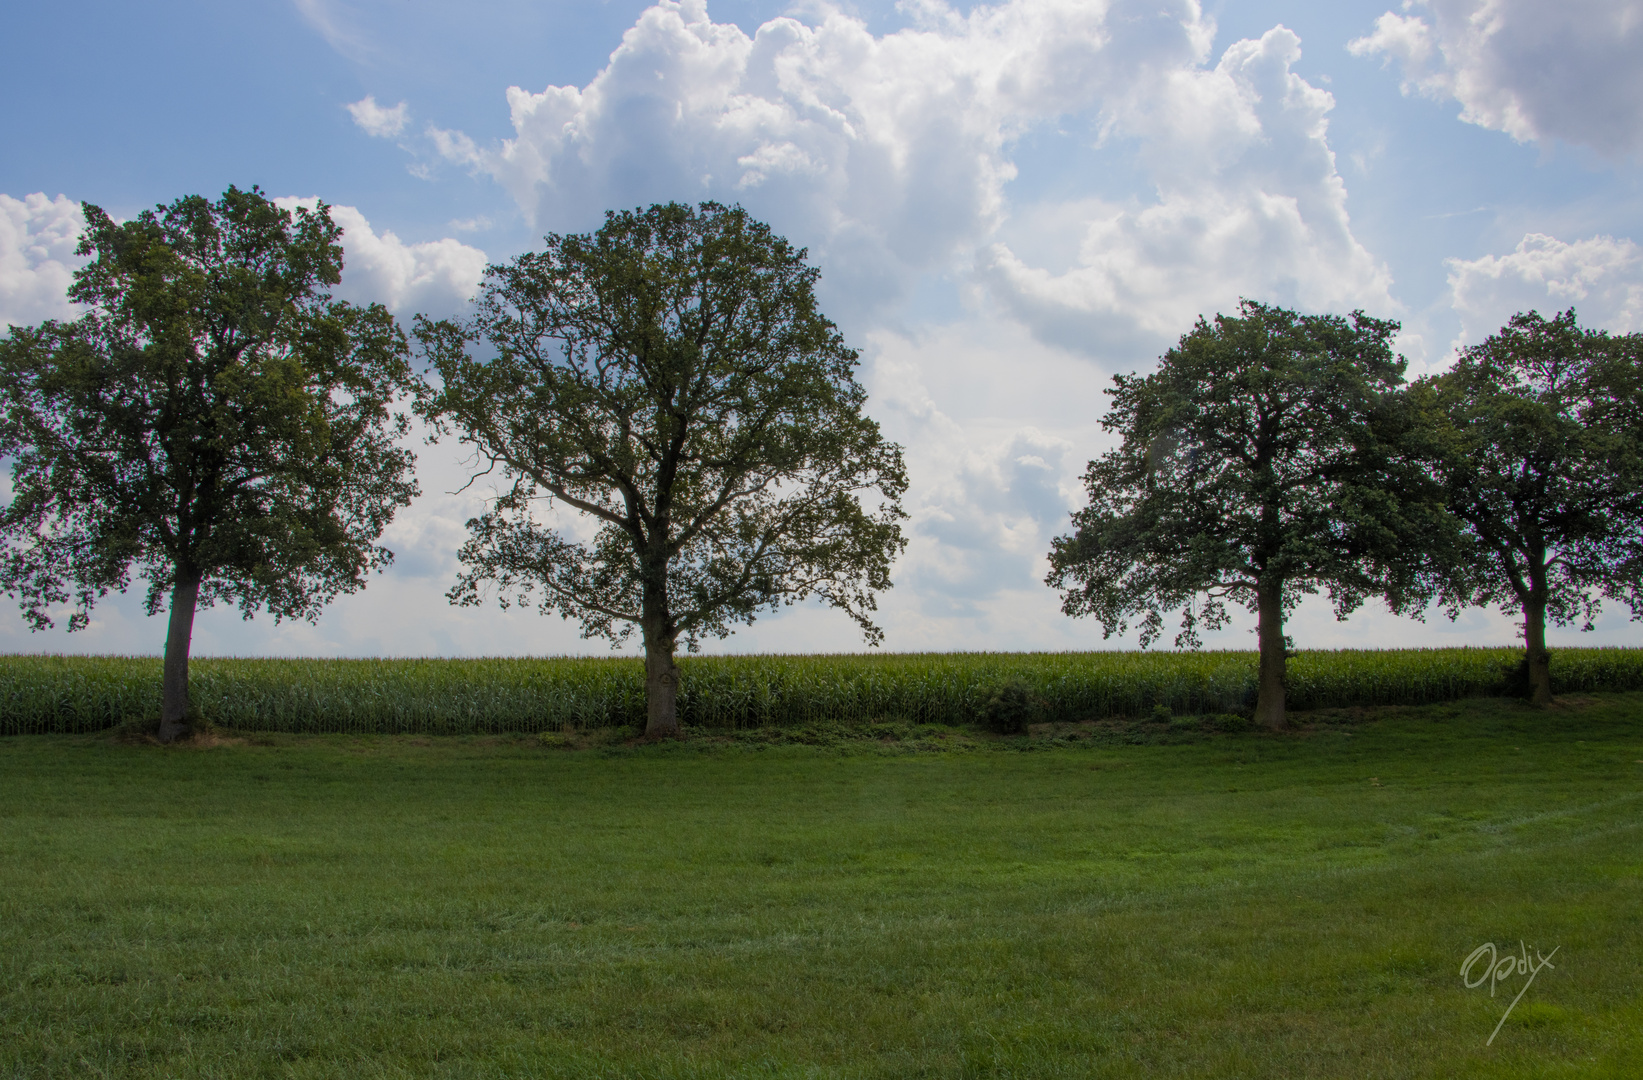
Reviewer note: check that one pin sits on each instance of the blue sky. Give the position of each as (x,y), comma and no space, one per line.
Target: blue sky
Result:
(1008,203)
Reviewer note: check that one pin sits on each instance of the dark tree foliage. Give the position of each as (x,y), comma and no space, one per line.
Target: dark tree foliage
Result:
(1256,467)
(1539,440)
(669,379)
(214,420)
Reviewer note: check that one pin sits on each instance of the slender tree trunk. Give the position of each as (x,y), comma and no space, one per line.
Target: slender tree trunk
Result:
(185,593)
(1269,705)
(1534,643)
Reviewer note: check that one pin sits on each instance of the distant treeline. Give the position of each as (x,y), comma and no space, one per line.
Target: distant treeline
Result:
(40,694)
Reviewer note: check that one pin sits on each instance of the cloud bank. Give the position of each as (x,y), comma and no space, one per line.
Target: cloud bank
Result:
(887,155)
(1537,70)
(892,156)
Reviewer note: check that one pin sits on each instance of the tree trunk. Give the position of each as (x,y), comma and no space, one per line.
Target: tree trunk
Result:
(185,593)
(661,688)
(661,637)
(1269,705)
(1534,644)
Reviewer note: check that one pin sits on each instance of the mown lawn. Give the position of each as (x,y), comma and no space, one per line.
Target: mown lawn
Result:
(1242,905)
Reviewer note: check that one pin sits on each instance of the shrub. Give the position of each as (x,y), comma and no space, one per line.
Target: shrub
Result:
(1008,709)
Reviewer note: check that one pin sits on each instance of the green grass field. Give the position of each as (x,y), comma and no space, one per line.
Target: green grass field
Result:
(1121,901)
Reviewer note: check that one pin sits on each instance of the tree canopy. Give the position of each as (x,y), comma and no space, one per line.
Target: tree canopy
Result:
(1256,467)
(668,380)
(1538,440)
(214,420)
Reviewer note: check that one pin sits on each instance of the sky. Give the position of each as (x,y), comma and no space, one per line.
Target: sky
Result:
(1008,204)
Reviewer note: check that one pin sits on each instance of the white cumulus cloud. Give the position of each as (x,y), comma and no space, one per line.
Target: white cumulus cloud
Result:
(435,277)
(884,154)
(1249,203)
(37,261)
(1534,69)
(377,121)
(892,155)
(1600,277)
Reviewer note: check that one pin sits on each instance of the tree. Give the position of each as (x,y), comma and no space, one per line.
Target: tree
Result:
(1540,452)
(214,419)
(1256,466)
(670,380)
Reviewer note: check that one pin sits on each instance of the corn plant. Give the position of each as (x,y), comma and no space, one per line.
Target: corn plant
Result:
(428,696)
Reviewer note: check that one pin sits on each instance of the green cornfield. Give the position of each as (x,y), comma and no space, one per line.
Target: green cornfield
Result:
(66,694)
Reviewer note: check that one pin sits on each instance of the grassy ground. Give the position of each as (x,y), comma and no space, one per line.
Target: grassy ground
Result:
(1147,901)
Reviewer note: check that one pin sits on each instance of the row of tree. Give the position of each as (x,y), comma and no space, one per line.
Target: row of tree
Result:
(219,422)
(1273,455)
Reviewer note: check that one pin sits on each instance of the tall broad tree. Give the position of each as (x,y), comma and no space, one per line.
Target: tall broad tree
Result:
(1257,466)
(214,419)
(1539,445)
(670,381)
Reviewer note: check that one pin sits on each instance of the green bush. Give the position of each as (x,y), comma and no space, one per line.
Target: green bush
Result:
(1008,710)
